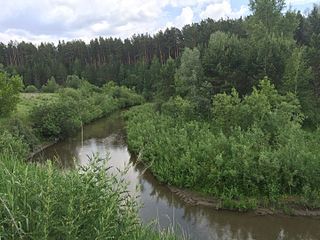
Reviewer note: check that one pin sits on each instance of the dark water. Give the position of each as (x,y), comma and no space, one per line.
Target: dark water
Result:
(108,136)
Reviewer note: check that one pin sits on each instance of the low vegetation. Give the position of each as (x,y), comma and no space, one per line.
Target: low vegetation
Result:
(252,152)
(212,126)
(41,202)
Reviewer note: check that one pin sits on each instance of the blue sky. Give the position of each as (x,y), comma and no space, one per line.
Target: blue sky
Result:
(299,5)
(53,20)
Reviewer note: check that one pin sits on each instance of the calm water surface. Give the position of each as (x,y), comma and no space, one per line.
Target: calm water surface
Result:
(107,136)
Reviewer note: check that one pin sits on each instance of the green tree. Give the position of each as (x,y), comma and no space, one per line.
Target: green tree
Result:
(73,81)
(266,14)
(165,87)
(189,75)
(154,77)
(298,79)
(31,89)
(10,88)
(225,63)
(51,86)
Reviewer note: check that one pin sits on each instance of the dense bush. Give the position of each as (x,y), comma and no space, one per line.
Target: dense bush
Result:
(254,149)
(9,93)
(63,116)
(31,89)
(56,119)
(179,108)
(125,97)
(73,81)
(41,202)
(21,130)
(51,86)
(12,145)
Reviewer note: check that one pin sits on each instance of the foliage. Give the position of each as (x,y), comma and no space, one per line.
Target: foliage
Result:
(298,79)
(165,88)
(252,150)
(264,108)
(41,202)
(189,75)
(51,86)
(196,62)
(21,130)
(31,89)
(56,119)
(12,145)
(64,115)
(225,63)
(73,81)
(125,97)
(9,93)
(179,108)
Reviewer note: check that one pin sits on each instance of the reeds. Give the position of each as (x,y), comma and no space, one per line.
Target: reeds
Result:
(41,202)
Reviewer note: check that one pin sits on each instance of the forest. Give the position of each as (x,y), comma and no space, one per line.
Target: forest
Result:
(229,54)
(229,109)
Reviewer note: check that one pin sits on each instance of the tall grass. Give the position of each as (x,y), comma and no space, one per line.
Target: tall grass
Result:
(41,202)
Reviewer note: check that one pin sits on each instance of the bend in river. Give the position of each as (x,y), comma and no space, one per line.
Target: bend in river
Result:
(107,136)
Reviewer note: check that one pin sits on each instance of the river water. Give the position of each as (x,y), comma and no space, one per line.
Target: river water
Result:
(107,137)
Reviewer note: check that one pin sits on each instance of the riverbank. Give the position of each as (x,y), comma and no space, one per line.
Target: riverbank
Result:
(107,136)
(249,168)
(193,198)
(90,204)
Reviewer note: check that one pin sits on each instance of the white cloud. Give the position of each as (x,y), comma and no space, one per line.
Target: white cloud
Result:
(22,35)
(222,9)
(51,20)
(186,17)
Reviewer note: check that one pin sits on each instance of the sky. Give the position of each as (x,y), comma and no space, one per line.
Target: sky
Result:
(53,20)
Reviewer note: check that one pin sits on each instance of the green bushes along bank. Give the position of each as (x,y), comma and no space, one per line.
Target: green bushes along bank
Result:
(42,202)
(252,152)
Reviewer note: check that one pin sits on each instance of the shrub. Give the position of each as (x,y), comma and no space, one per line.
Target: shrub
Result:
(64,116)
(125,97)
(56,119)
(31,89)
(178,108)
(73,81)
(253,149)
(51,86)
(12,145)
(41,202)
(23,131)
(9,93)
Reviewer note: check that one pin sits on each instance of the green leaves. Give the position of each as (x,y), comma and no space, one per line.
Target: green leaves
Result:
(10,88)
(252,149)
(43,202)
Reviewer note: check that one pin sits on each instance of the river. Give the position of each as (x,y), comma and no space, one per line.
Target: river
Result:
(107,137)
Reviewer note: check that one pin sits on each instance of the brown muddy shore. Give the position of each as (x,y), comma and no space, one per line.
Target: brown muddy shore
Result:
(40,148)
(196,199)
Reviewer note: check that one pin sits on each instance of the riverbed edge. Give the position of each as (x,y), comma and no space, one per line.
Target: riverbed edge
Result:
(197,199)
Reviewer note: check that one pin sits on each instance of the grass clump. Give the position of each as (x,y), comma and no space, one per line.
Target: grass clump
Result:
(41,202)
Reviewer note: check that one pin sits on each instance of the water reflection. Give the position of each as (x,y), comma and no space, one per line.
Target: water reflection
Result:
(107,136)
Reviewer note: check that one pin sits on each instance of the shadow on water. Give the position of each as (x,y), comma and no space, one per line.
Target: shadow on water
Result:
(107,136)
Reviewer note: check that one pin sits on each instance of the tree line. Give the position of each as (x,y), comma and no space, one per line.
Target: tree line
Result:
(101,59)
